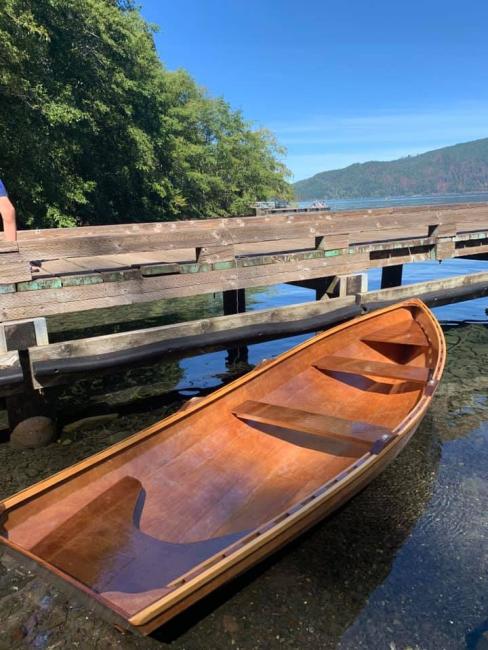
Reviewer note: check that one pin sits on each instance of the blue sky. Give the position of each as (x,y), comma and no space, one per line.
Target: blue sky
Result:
(338,82)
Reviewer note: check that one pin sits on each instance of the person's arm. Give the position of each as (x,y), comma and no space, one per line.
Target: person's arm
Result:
(7,211)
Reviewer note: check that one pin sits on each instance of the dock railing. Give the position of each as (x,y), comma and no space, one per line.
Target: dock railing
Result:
(57,271)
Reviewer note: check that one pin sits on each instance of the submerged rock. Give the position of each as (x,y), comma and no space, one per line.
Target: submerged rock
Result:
(34,432)
(88,424)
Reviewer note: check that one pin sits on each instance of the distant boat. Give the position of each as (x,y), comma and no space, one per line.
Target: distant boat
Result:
(321,205)
(151,525)
(271,207)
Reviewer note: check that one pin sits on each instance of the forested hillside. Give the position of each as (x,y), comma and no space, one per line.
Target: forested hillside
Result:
(461,168)
(94,129)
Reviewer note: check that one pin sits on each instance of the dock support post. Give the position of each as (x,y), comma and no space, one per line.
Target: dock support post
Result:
(347,285)
(321,287)
(391,276)
(335,286)
(19,336)
(235,303)
(30,402)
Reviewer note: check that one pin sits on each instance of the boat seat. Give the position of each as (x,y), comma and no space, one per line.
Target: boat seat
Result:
(325,426)
(83,543)
(403,334)
(377,368)
(102,545)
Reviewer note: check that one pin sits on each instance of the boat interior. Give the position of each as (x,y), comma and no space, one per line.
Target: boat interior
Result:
(140,522)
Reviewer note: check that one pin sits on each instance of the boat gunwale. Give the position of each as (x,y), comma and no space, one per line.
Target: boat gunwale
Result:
(199,575)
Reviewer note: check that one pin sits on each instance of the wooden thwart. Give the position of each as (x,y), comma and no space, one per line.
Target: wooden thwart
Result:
(410,334)
(376,368)
(326,426)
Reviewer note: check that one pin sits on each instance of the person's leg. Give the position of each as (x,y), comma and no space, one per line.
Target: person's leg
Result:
(7,211)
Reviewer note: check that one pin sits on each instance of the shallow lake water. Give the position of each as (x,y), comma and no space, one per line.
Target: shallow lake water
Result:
(404,565)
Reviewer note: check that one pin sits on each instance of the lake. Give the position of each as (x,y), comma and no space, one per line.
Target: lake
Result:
(403,565)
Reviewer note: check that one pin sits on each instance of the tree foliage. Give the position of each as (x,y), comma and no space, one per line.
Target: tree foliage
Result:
(94,129)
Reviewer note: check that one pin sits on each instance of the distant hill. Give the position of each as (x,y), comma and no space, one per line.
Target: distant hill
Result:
(461,168)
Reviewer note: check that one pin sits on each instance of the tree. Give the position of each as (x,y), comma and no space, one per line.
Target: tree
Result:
(94,129)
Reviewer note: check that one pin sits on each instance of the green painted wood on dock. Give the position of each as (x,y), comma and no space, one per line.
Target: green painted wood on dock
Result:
(420,248)
(224,265)
(160,269)
(334,252)
(120,276)
(42,283)
(195,267)
(81,280)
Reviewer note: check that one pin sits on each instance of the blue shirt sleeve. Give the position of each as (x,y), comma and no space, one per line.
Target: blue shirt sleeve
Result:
(3,191)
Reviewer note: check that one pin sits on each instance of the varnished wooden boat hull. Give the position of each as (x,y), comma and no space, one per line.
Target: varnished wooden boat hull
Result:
(243,471)
(288,534)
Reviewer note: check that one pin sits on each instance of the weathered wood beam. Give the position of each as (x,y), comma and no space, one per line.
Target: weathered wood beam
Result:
(66,294)
(54,363)
(377,250)
(359,225)
(434,292)
(13,268)
(364,239)
(72,297)
(50,363)
(432,215)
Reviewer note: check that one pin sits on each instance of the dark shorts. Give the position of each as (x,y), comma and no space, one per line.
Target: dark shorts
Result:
(3,191)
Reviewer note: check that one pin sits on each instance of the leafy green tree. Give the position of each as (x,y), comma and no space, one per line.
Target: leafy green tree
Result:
(94,129)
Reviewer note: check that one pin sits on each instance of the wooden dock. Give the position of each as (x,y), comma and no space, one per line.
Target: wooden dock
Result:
(105,266)
(51,272)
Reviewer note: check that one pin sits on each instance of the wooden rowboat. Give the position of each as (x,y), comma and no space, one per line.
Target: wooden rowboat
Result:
(156,522)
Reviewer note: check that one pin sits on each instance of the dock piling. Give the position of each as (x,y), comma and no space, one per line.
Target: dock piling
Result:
(30,403)
(391,276)
(235,303)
